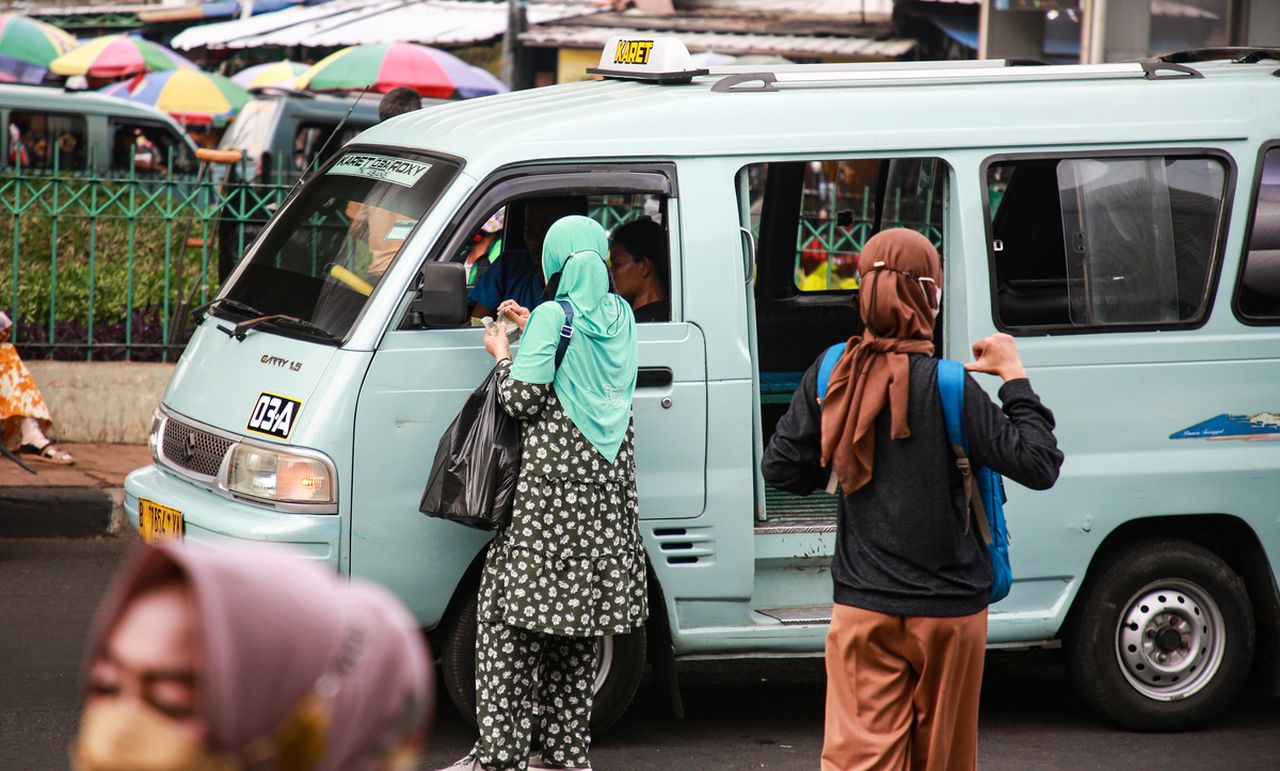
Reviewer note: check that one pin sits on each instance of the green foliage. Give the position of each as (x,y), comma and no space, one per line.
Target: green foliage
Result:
(94,259)
(103,260)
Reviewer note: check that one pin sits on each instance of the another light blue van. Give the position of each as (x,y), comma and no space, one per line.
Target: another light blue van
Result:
(1123,221)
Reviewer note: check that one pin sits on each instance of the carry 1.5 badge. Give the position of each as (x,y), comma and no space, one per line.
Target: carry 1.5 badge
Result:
(274,415)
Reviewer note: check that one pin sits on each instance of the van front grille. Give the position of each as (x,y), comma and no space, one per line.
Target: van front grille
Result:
(193,449)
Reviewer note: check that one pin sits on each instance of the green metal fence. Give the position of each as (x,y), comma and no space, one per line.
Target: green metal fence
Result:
(106,266)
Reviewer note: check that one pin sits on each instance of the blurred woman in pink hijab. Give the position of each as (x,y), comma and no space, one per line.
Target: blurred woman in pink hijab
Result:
(211,660)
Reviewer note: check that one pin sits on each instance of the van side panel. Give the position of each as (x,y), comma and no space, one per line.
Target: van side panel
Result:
(1119,399)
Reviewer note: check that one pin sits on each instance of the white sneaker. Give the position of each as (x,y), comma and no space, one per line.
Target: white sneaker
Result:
(468,763)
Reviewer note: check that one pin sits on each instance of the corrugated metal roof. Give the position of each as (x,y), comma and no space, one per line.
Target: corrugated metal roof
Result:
(352,22)
(562,36)
(882,9)
(1185,10)
(40,9)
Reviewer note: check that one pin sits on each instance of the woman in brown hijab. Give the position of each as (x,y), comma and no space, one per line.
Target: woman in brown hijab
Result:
(909,622)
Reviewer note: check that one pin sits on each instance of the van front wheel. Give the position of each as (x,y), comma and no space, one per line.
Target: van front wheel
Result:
(621,665)
(1164,637)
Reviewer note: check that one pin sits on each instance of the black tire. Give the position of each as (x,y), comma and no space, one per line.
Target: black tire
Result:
(1163,637)
(622,665)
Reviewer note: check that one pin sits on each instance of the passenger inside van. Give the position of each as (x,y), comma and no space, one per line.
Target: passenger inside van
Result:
(132,149)
(641,268)
(517,275)
(485,247)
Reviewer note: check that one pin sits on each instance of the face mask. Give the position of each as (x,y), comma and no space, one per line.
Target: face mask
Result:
(937,301)
(116,737)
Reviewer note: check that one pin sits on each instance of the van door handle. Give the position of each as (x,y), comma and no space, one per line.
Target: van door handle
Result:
(749,257)
(653,377)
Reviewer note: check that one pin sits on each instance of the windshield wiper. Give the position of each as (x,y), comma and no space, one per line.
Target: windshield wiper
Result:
(201,310)
(278,319)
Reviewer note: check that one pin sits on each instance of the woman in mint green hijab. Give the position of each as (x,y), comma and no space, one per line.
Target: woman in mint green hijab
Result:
(570,566)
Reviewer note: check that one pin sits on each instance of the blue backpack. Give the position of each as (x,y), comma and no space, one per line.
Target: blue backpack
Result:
(983,488)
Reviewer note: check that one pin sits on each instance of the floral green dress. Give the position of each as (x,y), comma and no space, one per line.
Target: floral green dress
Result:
(571,562)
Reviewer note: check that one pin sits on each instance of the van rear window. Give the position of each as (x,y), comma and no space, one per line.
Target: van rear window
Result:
(1105,242)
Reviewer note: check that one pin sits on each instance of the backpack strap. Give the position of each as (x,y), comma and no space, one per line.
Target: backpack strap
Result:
(829,361)
(951,391)
(566,332)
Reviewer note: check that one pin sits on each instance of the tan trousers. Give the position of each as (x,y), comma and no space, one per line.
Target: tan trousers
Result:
(902,691)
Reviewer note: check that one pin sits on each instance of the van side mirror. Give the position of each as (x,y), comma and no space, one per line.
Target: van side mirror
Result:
(441,299)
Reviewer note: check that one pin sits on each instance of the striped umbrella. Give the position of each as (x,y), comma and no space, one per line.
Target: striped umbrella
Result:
(190,96)
(384,66)
(117,56)
(281,73)
(27,46)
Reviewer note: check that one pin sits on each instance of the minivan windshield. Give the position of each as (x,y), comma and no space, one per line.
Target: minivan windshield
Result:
(320,259)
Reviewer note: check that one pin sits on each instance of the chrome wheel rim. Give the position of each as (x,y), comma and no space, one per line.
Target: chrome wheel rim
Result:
(1170,639)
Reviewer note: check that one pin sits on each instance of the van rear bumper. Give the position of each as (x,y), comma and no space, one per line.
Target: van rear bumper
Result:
(217,521)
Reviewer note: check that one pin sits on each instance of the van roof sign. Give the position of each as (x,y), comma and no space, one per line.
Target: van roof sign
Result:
(655,59)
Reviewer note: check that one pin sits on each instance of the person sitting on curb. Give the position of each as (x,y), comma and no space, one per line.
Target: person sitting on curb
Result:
(23,415)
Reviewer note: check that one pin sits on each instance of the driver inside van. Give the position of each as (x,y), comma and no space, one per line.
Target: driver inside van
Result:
(383,231)
(517,273)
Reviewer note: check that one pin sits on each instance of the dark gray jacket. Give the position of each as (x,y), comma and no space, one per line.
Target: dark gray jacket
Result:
(901,541)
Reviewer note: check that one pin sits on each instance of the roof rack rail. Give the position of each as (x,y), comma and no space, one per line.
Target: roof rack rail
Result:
(741,80)
(1235,54)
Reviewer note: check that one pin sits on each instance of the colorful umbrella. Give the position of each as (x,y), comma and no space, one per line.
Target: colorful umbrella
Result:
(27,46)
(116,56)
(384,66)
(190,96)
(281,73)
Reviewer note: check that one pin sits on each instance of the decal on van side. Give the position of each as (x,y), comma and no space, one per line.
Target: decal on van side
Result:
(1264,426)
(274,415)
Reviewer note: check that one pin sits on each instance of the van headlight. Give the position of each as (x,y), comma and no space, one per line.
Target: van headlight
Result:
(277,475)
(155,438)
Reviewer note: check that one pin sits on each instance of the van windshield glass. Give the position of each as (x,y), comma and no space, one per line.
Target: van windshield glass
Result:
(320,260)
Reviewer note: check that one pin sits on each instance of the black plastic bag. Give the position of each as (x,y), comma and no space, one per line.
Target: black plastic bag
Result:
(473,477)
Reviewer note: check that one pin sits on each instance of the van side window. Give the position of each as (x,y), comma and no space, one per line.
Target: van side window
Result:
(811,219)
(37,139)
(148,147)
(639,258)
(1258,295)
(842,202)
(1104,243)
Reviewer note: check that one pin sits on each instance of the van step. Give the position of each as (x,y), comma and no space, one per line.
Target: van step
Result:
(804,615)
(795,526)
(779,506)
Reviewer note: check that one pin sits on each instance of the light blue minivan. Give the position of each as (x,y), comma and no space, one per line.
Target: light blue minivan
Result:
(1122,221)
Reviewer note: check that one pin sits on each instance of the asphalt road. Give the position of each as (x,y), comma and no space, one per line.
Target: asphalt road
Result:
(739,715)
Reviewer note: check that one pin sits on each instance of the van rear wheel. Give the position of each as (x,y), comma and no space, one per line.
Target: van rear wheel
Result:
(1164,639)
(621,665)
